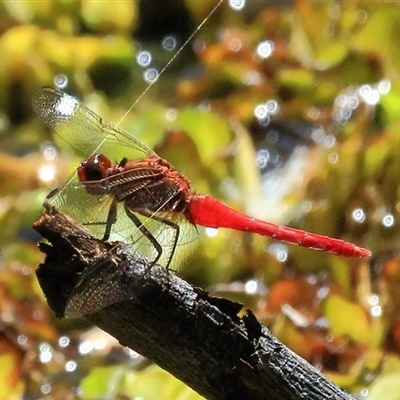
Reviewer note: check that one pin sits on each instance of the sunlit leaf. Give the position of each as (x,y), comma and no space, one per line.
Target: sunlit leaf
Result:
(102,381)
(297,79)
(346,318)
(208,130)
(386,385)
(150,383)
(153,383)
(105,16)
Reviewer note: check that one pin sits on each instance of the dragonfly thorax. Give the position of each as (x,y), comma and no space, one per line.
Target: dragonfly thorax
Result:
(147,186)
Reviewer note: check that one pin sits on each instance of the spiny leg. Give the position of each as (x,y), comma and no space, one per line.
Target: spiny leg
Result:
(168,222)
(139,224)
(111,218)
(152,215)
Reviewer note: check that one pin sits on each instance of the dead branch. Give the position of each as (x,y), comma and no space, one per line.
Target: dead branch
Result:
(198,338)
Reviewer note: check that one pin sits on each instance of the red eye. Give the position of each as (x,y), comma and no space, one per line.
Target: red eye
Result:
(94,168)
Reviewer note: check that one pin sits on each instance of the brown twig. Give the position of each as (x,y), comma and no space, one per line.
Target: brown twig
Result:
(198,338)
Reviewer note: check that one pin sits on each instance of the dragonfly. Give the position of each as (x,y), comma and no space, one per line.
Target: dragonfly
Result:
(140,198)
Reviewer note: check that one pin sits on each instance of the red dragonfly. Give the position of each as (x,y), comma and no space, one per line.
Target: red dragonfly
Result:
(143,200)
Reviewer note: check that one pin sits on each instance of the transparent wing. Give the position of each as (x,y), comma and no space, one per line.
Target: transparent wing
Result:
(92,211)
(88,133)
(83,129)
(100,285)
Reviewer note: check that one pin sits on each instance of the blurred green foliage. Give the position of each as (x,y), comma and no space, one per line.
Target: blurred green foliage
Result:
(326,160)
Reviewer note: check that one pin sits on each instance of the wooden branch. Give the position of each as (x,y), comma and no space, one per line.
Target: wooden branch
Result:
(198,338)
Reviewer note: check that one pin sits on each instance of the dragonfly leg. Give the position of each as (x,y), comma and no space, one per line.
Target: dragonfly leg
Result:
(171,224)
(150,214)
(139,224)
(111,218)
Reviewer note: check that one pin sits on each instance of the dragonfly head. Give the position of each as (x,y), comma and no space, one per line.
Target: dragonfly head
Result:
(95,168)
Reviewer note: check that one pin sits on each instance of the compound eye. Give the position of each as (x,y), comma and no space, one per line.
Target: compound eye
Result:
(94,168)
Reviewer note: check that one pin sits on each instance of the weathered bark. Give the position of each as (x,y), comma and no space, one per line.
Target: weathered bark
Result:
(198,338)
